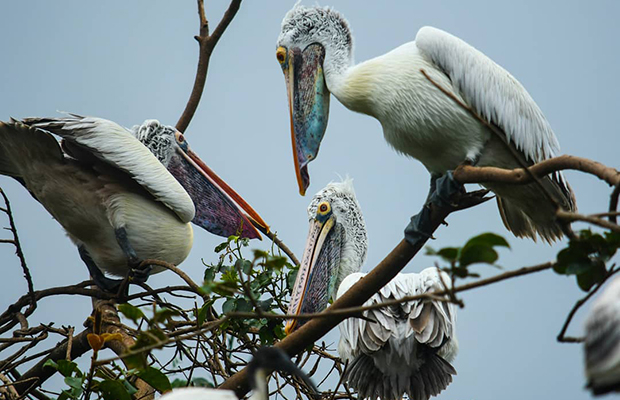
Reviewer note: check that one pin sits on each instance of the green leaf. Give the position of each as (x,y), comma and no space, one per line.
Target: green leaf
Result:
(73,382)
(243,265)
(244,305)
(209,275)
(488,239)
(131,312)
(221,247)
(114,390)
(477,253)
(50,363)
(275,263)
(203,312)
(156,379)
(66,367)
(290,279)
(449,254)
(229,305)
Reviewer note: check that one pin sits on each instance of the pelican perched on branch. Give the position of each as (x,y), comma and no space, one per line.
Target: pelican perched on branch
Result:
(436,99)
(407,348)
(602,344)
(264,361)
(121,195)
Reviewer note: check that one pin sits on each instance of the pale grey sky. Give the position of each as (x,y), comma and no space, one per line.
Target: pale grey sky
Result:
(130,61)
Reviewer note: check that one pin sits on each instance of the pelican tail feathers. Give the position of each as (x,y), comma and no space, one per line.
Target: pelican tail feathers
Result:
(432,377)
(527,212)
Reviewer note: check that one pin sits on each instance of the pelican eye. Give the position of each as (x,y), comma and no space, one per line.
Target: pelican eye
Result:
(281,54)
(181,138)
(324,208)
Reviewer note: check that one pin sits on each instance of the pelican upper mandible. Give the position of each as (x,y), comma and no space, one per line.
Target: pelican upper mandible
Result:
(315,51)
(264,361)
(602,341)
(121,195)
(406,348)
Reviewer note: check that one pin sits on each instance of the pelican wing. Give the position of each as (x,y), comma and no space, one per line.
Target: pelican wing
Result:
(492,92)
(431,322)
(118,147)
(19,142)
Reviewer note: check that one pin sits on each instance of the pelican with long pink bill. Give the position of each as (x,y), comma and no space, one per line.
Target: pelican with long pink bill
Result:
(122,195)
(404,348)
(315,51)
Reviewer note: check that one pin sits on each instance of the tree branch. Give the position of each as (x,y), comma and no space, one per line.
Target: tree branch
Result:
(520,176)
(206,45)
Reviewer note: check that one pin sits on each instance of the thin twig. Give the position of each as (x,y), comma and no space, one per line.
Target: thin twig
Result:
(431,296)
(570,217)
(273,236)
(19,251)
(567,339)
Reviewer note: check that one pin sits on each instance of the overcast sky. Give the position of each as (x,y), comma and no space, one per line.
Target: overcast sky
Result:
(131,61)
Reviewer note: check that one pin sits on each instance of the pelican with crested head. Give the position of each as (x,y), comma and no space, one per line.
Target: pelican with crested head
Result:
(405,348)
(315,51)
(122,195)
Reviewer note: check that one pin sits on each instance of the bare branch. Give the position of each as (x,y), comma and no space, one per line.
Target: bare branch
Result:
(571,217)
(520,176)
(206,45)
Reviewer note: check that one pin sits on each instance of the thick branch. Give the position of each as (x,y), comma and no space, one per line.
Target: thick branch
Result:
(470,174)
(206,45)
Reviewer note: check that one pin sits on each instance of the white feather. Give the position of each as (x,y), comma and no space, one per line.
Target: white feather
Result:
(117,146)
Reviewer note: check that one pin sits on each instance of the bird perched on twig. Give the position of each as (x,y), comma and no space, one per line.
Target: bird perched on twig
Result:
(403,348)
(122,195)
(438,99)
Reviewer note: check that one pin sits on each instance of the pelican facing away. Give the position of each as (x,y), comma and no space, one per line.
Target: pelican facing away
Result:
(315,51)
(265,359)
(410,346)
(602,344)
(121,195)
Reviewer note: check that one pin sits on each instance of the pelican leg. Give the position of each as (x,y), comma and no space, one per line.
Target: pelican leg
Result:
(103,282)
(442,189)
(136,273)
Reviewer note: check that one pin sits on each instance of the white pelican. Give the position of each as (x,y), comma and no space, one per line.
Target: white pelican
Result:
(119,202)
(410,346)
(265,360)
(315,51)
(602,344)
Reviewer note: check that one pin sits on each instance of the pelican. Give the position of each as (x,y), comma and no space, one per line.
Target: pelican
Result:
(265,359)
(121,195)
(409,347)
(315,51)
(602,344)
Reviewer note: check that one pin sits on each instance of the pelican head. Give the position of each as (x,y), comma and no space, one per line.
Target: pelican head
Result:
(313,43)
(218,208)
(336,247)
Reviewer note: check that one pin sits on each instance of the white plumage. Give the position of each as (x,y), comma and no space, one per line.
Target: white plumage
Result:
(602,344)
(409,347)
(417,118)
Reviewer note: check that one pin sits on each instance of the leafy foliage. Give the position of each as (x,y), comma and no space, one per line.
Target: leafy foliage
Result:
(479,249)
(587,256)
